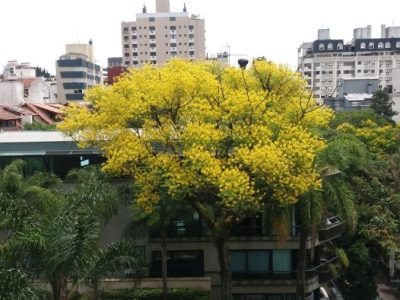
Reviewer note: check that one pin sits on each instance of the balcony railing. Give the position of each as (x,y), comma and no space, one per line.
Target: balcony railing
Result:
(333,228)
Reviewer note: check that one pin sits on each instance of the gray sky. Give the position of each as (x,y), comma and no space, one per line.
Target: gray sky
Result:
(36,31)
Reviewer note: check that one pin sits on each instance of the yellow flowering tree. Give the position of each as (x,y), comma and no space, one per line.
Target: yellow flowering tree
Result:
(225,140)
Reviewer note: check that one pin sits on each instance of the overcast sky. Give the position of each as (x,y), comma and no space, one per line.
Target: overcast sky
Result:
(36,31)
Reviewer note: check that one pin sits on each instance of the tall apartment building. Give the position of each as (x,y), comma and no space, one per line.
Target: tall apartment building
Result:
(157,37)
(325,61)
(76,71)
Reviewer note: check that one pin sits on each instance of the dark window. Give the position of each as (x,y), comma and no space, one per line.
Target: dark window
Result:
(152,28)
(73,74)
(191,52)
(179,263)
(152,45)
(74,85)
(191,36)
(172,18)
(173,45)
(152,36)
(191,26)
(151,19)
(134,37)
(172,27)
(135,62)
(133,28)
(126,46)
(153,53)
(74,96)
(134,45)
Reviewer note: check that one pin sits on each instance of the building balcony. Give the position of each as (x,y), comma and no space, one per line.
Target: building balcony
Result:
(332,228)
(172,40)
(173,49)
(191,48)
(152,32)
(191,40)
(152,40)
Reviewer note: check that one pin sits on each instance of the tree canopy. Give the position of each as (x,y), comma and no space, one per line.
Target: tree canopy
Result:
(226,140)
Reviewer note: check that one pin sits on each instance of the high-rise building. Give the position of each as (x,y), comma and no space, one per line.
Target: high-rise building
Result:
(157,37)
(325,61)
(76,71)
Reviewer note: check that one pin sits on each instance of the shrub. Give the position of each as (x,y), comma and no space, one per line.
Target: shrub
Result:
(153,294)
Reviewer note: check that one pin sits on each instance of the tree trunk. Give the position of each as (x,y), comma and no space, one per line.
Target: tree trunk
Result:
(225,274)
(55,288)
(164,256)
(301,264)
(96,290)
(59,287)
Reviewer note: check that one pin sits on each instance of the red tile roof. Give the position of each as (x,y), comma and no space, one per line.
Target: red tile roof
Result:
(6,115)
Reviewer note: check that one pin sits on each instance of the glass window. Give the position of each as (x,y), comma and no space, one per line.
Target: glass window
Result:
(330,46)
(388,45)
(258,261)
(340,46)
(321,47)
(371,45)
(380,45)
(281,260)
(238,261)
(397,44)
(363,45)
(172,18)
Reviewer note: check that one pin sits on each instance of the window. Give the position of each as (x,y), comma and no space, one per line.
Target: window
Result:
(330,46)
(339,46)
(398,44)
(133,28)
(362,45)
(281,260)
(180,263)
(152,28)
(191,27)
(152,19)
(380,45)
(172,27)
(388,45)
(250,261)
(172,18)
(371,45)
(321,47)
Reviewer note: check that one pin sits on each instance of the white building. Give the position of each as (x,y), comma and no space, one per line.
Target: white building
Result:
(325,61)
(76,71)
(396,93)
(156,37)
(14,71)
(20,85)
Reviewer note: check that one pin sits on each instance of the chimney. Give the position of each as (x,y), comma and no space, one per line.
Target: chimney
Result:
(162,6)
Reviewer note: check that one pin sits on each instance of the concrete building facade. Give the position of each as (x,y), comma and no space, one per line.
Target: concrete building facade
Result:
(76,71)
(20,85)
(156,37)
(325,61)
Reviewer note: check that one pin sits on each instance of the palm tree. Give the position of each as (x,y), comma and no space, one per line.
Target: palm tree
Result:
(52,234)
(336,196)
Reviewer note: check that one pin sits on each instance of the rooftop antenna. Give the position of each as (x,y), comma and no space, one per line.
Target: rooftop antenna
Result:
(144,9)
(184,7)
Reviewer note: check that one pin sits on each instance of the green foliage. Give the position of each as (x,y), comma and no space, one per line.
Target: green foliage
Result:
(153,294)
(359,280)
(39,126)
(383,105)
(14,285)
(41,72)
(56,235)
(356,118)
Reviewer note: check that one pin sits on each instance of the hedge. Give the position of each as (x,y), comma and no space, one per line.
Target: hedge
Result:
(153,294)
